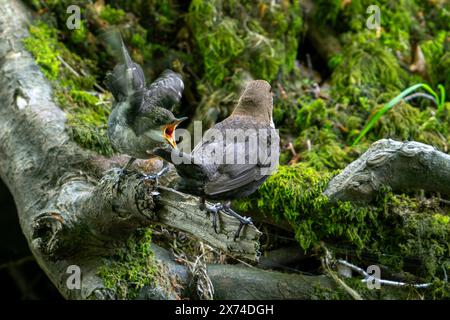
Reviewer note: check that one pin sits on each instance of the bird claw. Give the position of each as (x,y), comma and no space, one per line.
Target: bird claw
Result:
(150,177)
(243,220)
(213,210)
(156,176)
(123,172)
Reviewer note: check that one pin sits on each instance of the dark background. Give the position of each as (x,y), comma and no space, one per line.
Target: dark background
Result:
(20,276)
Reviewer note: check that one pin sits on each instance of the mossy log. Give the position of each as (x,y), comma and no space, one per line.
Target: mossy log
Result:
(403,166)
(70,216)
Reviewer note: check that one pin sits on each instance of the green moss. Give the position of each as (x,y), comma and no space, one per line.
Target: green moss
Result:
(440,290)
(112,15)
(86,114)
(138,40)
(296,196)
(324,293)
(367,69)
(396,230)
(399,123)
(320,149)
(224,45)
(263,42)
(437,57)
(79,35)
(406,122)
(311,115)
(88,135)
(132,268)
(397,18)
(429,231)
(42,44)
(322,132)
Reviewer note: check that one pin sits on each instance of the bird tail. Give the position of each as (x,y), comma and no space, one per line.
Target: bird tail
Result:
(127,78)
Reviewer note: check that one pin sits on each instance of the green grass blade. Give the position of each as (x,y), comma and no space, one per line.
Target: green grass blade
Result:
(442,101)
(432,92)
(387,107)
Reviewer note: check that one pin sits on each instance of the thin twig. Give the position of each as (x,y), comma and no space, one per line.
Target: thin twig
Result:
(96,85)
(292,149)
(203,284)
(326,265)
(421,95)
(233,257)
(381,281)
(68,66)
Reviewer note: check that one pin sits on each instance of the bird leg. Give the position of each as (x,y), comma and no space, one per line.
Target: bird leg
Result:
(243,220)
(157,175)
(126,169)
(213,210)
(226,207)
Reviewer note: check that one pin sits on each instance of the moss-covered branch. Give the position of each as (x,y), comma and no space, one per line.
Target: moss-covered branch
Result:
(401,166)
(67,215)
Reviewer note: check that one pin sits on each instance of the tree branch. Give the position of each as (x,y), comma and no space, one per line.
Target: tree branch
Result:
(402,166)
(69,217)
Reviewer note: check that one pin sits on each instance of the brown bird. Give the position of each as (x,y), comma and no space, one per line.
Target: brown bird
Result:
(234,157)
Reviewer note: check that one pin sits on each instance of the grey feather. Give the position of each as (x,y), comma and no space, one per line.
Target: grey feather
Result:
(165,92)
(139,113)
(157,101)
(212,175)
(127,78)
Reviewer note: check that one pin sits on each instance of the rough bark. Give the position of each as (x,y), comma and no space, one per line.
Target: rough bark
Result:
(66,214)
(402,166)
(70,217)
(63,209)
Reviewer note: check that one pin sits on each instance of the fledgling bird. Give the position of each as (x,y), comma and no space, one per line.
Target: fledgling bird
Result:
(202,175)
(141,118)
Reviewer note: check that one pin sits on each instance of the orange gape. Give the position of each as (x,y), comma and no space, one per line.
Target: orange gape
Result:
(169,131)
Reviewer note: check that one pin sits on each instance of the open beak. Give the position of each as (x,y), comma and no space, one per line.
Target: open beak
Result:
(169,132)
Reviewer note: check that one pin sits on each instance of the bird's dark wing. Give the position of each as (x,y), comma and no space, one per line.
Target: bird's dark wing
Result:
(157,100)
(241,177)
(164,92)
(126,81)
(230,177)
(233,177)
